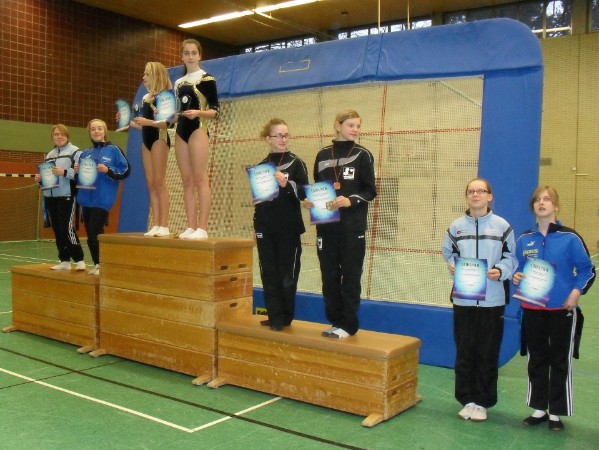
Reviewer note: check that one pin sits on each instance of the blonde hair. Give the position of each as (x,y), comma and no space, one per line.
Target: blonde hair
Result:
(346,114)
(61,128)
(552,195)
(159,79)
(268,126)
(103,126)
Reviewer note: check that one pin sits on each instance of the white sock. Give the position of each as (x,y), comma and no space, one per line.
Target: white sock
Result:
(553,418)
(538,413)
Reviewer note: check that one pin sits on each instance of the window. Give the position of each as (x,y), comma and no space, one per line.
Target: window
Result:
(595,15)
(295,42)
(544,18)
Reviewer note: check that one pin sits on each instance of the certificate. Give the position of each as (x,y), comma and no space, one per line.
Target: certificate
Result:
(538,281)
(470,279)
(322,194)
(88,173)
(166,106)
(263,183)
(48,179)
(124,110)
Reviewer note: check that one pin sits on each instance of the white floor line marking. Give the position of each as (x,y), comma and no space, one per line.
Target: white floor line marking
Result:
(5,312)
(237,414)
(133,412)
(101,402)
(24,258)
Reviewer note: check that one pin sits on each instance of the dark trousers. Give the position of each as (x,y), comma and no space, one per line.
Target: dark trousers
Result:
(94,220)
(62,212)
(478,333)
(341,256)
(279,268)
(549,336)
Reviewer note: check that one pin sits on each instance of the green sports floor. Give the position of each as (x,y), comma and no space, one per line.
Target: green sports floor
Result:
(52,397)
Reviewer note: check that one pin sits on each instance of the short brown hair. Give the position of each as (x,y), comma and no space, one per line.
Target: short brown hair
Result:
(550,191)
(62,128)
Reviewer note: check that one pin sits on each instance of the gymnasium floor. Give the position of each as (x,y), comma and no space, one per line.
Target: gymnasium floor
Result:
(55,398)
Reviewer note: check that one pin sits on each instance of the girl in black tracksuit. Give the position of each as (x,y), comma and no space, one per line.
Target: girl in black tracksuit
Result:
(342,245)
(278,225)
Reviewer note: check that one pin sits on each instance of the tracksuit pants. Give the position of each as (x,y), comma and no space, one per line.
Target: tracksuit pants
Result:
(62,212)
(279,256)
(478,333)
(341,256)
(549,337)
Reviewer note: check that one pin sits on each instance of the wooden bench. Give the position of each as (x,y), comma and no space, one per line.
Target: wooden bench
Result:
(160,298)
(370,374)
(57,304)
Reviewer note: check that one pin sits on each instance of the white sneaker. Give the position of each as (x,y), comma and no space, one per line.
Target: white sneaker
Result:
(65,265)
(162,231)
(466,412)
(479,414)
(80,265)
(95,270)
(152,231)
(339,333)
(186,233)
(328,331)
(198,234)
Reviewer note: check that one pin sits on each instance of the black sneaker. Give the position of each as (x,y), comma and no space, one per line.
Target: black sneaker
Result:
(556,425)
(266,323)
(532,421)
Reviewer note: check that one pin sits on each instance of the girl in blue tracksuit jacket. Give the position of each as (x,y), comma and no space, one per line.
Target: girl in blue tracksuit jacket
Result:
(478,323)
(112,166)
(548,331)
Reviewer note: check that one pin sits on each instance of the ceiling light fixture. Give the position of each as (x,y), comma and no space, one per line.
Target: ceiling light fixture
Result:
(236,15)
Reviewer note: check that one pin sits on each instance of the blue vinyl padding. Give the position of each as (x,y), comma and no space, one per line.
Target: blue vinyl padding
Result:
(505,52)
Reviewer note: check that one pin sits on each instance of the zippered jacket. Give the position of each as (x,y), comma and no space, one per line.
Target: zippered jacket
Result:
(107,184)
(65,158)
(488,237)
(564,248)
(352,166)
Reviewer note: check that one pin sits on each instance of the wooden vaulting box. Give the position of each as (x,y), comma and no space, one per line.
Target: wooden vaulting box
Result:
(160,298)
(370,374)
(57,304)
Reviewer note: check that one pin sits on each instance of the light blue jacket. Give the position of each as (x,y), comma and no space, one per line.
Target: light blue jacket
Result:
(65,158)
(489,237)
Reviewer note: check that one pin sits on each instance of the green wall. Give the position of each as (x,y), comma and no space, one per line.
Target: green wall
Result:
(35,137)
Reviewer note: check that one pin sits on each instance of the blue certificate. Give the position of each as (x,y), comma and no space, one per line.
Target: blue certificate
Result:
(124,110)
(88,173)
(166,106)
(539,279)
(263,183)
(48,179)
(322,194)
(470,279)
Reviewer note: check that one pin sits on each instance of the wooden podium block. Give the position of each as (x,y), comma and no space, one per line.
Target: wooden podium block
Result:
(58,304)
(175,309)
(371,374)
(160,298)
(212,256)
(178,284)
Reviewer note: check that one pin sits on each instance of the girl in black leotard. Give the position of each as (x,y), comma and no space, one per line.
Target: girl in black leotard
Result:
(155,147)
(198,100)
